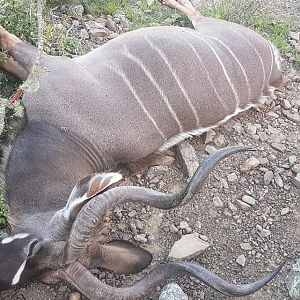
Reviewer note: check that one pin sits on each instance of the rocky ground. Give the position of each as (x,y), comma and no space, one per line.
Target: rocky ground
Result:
(248,213)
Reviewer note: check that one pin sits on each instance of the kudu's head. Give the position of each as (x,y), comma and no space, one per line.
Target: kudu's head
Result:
(72,241)
(16,253)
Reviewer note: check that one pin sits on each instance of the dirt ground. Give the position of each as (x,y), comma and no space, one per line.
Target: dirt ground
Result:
(271,227)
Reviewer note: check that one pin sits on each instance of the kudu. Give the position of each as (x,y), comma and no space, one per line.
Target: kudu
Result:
(138,94)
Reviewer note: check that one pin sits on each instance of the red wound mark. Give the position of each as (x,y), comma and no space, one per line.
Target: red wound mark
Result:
(15,97)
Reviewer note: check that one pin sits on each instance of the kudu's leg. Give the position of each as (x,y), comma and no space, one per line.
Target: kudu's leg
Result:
(23,55)
(13,67)
(7,40)
(186,7)
(153,159)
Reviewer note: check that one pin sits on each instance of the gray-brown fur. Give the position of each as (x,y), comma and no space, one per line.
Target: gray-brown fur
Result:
(137,94)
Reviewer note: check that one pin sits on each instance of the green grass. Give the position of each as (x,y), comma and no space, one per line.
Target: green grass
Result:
(3,209)
(101,7)
(141,15)
(57,41)
(251,13)
(276,30)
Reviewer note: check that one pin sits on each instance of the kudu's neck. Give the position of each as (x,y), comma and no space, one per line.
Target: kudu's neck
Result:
(44,165)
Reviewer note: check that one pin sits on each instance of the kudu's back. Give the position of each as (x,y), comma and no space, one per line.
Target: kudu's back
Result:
(150,88)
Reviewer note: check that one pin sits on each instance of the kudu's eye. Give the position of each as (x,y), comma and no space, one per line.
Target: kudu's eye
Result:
(31,248)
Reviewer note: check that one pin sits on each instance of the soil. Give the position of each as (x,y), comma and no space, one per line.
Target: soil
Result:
(271,226)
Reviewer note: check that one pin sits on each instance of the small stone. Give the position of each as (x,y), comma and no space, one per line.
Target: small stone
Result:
(224,183)
(268,177)
(258,227)
(101,21)
(278,180)
(210,149)
(188,246)
(251,129)
(296,168)
(90,25)
(249,200)
(286,104)
(293,117)
(203,237)
(272,114)
(246,246)
(242,205)
(292,159)
(172,291)
(183,225)
(238,128)
(227,213)
(132,213)
(62,289)
(220,141)
(111,25)
(296,181)
(241,260)
(141,238)
(285,211)
(279,147)
(232,177)
(263,160)
(232,207)
(210,134)
(251,163)
(133,228)
(202,295)
(83,34)
(265,233)
(217,202)
(294,35)
(75,296)
(173,228)
(263,136)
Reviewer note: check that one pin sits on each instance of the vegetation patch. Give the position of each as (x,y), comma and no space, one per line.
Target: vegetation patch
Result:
(254,14)
(3,209)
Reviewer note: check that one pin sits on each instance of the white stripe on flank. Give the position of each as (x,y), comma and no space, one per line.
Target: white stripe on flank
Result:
(272,61)
(154,82)
(119,72)
(17,276)
(17,236)
(238,62)
(207,74)
(174,74)
(258,55)
(222,66)
(276,56)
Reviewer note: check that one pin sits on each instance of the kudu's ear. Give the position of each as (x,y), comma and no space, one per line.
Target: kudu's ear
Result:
(87,188)
(123,257)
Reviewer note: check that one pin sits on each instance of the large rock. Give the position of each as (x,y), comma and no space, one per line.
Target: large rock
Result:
(293,281)
(188,246)
(188,156)
(172,291)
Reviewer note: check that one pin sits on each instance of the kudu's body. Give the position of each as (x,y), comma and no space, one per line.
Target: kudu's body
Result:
(141,92)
